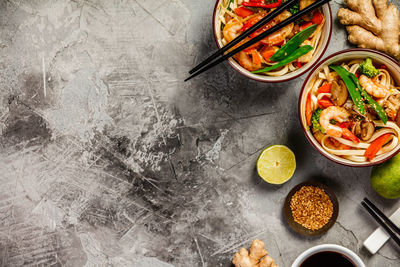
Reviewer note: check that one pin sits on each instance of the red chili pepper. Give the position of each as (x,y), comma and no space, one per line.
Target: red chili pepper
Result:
(299,64)
(346,124)
(347,134)
(383,67)
(325,103)
(243,12)
(308,109)
(326,88)
(317,17)
(357,74)
(262,5)
(305,25)
(376,145)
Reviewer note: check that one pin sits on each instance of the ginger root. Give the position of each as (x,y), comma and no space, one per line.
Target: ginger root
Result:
(255,257)
(372,24)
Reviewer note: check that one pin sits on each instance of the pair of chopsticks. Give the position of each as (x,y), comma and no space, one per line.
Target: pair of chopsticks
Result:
(381,218)
(209,63)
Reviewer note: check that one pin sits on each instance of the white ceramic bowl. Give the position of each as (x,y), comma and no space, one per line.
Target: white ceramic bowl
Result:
(322,46)
(329,247)
(394,69)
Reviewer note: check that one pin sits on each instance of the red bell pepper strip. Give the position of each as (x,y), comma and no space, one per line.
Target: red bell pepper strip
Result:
(256,57)
(317,18)
(326,88)
(346,124)
(305,25)
(262,5)
(325,103)
(267,53)
(376,145)
(299,64)
(308,109)
(347,134)
(243,12)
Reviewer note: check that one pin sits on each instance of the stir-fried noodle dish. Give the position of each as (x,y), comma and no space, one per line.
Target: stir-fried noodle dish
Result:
(353,110)
(236,16)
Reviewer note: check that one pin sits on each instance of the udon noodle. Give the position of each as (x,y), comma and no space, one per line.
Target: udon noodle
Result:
(231,23)
(367,127)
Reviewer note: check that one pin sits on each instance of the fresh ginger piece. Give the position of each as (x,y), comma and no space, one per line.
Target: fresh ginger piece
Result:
(255,257)
(372,24)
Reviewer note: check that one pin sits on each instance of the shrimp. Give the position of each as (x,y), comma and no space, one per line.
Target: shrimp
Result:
(280,35)
(373,88)
(339,114)
(246,61)
(307,57)
(232,30)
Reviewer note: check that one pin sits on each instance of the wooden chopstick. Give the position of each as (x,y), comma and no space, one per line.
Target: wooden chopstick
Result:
(381,222)
(260,37)
(383,216)
(249,31)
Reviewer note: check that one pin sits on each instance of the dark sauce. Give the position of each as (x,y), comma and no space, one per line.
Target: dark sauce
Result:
(327,259)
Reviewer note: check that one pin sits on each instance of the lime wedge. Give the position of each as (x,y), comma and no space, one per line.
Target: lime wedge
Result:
(276,164)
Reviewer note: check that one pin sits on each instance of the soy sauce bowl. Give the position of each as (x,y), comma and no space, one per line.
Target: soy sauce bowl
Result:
(298,227)
(354,259)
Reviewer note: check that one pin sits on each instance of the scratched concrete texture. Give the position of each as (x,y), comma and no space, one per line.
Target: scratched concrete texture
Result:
(108,159)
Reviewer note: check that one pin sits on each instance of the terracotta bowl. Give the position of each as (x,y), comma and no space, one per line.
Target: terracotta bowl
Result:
(322,46)
(344,55)
(298,227)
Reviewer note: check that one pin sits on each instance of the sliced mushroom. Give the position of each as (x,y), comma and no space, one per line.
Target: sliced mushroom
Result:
(367,130)
(339,93)
(357,128)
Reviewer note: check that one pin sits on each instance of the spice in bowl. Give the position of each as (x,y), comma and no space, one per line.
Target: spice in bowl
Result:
(311,207)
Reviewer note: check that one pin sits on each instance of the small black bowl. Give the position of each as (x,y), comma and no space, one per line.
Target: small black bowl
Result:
(298,227)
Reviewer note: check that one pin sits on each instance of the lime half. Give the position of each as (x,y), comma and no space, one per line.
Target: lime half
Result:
(276,164)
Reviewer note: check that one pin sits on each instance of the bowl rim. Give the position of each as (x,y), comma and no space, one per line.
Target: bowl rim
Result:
(277,80)
(328,247)
(319,64)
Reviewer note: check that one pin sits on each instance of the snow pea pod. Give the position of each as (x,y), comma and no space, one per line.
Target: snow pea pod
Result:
(351,87)
(301,51)
(378,108)
(293,43)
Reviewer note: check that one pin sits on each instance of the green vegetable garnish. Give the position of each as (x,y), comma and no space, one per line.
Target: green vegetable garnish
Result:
(378,108)
(294,9)
(351,87)
(293,43)
(301,51)
(315,120)
(332,121)
(368,69)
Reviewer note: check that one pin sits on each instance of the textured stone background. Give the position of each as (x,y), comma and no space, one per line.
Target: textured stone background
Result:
(111,160)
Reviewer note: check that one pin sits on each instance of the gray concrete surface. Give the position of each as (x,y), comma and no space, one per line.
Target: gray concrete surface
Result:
(108,159)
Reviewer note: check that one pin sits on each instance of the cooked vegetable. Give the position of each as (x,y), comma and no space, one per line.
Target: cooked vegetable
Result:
(339,93)
(294,9)
(308,109)
(351,87)
(378,108)
(293,44)
(315,120)
(368,69)
(262,4)
(302,50)
(318,18)
(325,103)
(326,88)
(376,145)
(243,12)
